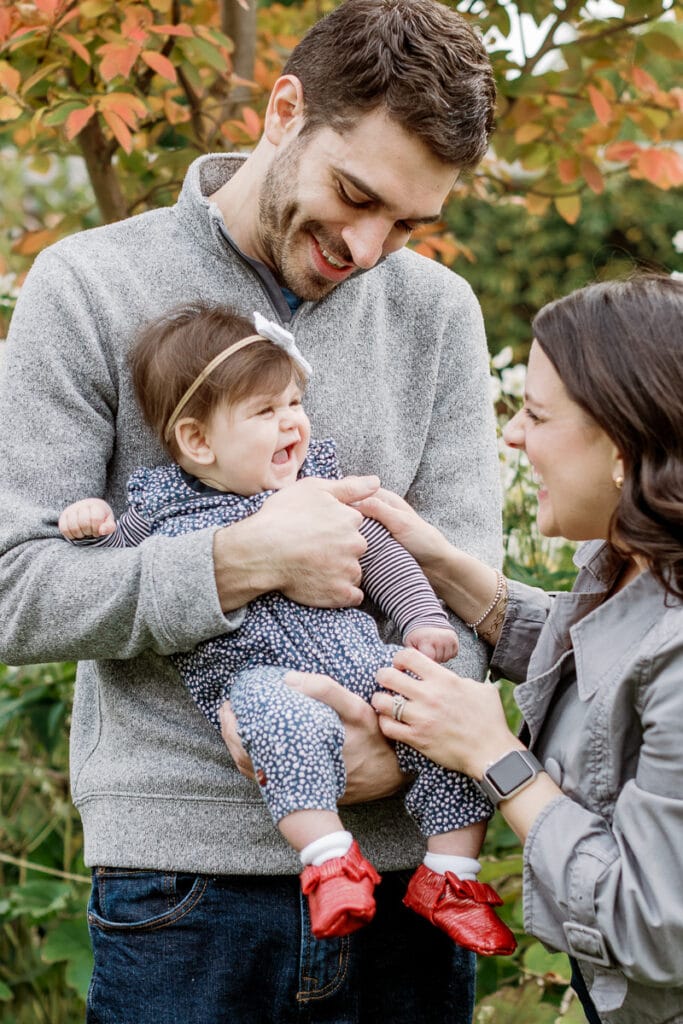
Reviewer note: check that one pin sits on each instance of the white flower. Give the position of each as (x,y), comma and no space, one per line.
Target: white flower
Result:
(504,358)
(513,378)
(678,241)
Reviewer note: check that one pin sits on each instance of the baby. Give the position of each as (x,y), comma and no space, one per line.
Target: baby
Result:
(226,403)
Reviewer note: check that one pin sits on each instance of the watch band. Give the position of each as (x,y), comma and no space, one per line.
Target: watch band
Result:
(509,775)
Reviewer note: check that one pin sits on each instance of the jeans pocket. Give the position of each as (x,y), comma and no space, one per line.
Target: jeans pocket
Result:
(124,899)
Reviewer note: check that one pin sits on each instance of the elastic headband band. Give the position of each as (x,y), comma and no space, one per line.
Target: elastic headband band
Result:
(208,369)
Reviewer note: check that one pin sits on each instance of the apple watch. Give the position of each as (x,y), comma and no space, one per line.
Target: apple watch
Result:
(510,774)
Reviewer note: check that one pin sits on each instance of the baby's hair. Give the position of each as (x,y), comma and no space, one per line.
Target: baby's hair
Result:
(171,351)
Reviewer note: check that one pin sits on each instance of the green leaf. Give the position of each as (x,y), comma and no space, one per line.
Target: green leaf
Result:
(39,899)
(5,992)
(70,941)
(538,961)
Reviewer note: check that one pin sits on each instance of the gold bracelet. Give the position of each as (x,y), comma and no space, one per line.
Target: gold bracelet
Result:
(501,588)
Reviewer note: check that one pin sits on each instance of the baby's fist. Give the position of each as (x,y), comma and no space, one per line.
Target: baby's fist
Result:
(435,643)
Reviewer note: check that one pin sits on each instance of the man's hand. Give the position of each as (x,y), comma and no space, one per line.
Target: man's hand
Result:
(233,742)
(304,542)
(372,771)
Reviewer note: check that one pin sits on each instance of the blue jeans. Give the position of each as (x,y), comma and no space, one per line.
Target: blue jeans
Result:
(195,949)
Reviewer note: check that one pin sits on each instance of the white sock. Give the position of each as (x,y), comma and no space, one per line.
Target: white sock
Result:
(464,867)
(336,844)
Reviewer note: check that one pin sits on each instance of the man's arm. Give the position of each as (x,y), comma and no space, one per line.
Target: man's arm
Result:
(66,417)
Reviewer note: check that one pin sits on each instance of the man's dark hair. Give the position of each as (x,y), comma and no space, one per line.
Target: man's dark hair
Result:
(418,59)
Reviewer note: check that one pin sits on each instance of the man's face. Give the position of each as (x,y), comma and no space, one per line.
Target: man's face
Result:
(331,205)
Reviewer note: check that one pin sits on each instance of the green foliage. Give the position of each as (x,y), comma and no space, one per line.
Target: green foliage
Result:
(45,959)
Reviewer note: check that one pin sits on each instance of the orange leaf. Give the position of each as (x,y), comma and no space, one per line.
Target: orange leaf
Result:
(77,120)
(32,242)
(559,102)
(172,30)
(128,107)
(160,64)
(663,167)
(117,59)
(252,122)
(48,7)
(5,24)
(620,151)
(10,79)
(594,178)
(119,130)
(175,113)
(528,133)
(9,109)
(77,46)
(424,250)
(567,170)
(568,207)
(601,105)
(644,81)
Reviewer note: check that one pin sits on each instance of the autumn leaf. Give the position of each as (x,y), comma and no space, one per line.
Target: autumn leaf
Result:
(600,104)
(117,59)
(592,176)
(252,122)
(5,24)
(10,110)
(125,105)
(119,130)
(621,151)
(48,7)
(568,207)
(568,170)
(77,120)
(77,46)
(162,65)
(643,81)
(528,133)
(171,30)
(10,79)
(32,242)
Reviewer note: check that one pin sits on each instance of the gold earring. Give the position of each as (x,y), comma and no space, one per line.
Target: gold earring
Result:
(618,482)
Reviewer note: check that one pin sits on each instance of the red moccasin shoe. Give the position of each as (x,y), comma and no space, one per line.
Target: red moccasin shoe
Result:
(340,894)
(462,909)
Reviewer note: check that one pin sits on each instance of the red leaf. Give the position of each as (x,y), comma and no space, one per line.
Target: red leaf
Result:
(119,130)
(601,105)
(160,64)
(644,81)
(621,151)
(593,177)
(172,30)
(252,122)
(126,106)
(117,59)
(77,120)
(48,7)
(77,46)
(567,170)
(5,24)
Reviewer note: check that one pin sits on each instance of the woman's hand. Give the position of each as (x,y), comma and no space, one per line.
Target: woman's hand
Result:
(456,722)
(372,771)
(424,542)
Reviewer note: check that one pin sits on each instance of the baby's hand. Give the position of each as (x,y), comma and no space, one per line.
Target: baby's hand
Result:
(90,517)
(437,644)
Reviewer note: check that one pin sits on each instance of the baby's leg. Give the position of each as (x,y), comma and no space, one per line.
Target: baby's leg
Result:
(452,813)
(295,745)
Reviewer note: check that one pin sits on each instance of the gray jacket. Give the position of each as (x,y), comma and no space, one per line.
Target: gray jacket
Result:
(603,703)
(400,380)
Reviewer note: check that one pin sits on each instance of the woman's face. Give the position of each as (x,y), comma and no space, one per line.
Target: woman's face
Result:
(574,461)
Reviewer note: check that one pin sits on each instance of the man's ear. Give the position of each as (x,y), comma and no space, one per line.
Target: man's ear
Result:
(190,436)
(285,112)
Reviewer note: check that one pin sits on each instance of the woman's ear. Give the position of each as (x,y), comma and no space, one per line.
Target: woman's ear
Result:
(285,112)
(192,440)
(618,472)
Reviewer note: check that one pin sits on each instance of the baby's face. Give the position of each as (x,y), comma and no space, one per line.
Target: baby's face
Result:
(259,443)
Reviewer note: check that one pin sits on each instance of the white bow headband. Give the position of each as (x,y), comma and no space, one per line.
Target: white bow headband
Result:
(267,331)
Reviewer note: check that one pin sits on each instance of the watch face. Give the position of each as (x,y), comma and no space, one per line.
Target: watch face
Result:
(509,773)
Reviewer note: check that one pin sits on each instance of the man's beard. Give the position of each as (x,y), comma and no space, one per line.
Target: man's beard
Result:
(278,228)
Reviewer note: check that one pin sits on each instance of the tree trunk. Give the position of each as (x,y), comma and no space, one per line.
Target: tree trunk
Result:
(97,154)
(239,23)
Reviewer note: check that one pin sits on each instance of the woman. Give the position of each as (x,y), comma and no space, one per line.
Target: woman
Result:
(593,787)
(598,805)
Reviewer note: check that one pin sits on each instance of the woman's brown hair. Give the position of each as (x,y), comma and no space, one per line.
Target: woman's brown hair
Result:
(618,349)
(170,352)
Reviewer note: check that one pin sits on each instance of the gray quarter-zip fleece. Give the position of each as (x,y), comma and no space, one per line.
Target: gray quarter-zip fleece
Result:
(400,380)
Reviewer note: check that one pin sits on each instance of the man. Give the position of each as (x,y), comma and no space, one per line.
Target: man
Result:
(195,912)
